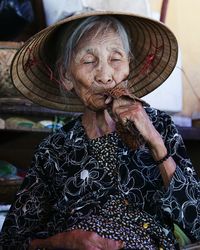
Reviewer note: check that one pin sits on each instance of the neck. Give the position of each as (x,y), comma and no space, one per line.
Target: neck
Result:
(97,124)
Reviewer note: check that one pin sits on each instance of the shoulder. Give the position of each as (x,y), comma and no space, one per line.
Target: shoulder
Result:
(62,151)
(158,116)
(57,148)
(62,137)
(162,121)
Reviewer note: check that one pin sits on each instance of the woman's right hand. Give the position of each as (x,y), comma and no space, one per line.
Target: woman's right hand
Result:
(76,240)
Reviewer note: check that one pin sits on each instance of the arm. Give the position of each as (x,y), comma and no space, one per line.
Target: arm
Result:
(76,239)
(181,195)
(159,151)
(133,111)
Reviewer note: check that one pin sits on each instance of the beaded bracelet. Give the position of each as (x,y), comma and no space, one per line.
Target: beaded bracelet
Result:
(163,159)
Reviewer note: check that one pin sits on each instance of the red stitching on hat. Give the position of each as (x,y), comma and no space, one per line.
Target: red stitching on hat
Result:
(33,61)
(30,62)
(148,61)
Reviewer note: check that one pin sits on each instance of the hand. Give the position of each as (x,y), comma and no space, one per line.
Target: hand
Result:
(76,240)
(127,109)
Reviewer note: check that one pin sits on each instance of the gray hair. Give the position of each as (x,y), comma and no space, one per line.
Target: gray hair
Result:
(80,29)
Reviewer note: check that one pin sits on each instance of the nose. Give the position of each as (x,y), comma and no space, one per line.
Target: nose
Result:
(104,75)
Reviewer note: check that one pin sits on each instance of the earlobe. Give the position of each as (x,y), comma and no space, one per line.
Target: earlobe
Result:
(65,80)
(67,84)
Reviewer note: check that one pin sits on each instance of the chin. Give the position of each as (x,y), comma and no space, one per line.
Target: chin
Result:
(95,103)
(97,108)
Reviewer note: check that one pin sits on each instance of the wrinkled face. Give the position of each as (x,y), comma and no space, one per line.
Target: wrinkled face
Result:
(98,65)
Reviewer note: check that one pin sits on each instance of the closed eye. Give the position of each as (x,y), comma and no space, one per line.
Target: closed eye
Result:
(89,59)
(89,62)
(115,59)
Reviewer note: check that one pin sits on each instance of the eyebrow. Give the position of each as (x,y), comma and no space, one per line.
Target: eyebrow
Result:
(90,50)
(118,50)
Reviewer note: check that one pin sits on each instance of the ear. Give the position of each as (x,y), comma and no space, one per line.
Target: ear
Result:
(67,84)
(65,79)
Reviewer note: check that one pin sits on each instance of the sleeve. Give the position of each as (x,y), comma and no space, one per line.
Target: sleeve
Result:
(182,198)
(29,212)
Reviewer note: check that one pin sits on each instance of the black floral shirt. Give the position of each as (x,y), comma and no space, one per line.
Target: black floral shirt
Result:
(68,183)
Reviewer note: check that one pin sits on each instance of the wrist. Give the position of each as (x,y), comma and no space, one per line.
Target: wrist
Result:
(39,244)
(159,154)
(165,158)
(159,151)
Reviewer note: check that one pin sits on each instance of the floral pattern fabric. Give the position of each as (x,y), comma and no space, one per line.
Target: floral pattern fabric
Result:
(67,184)
(117,218)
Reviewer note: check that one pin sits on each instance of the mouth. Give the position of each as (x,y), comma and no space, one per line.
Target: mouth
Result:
(113,93)
(104,98)
(107,95)
(98,88)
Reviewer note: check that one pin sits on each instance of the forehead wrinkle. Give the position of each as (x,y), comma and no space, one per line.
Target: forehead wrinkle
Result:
(100,37)
(84,51)
(117,49)
(113,44)
(90,49)
(94,51)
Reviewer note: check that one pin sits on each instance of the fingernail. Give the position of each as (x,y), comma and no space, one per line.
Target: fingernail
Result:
(108,100)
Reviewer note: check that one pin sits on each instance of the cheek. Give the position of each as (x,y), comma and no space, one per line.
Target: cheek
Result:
(82,86)
(83,78)
(121,72)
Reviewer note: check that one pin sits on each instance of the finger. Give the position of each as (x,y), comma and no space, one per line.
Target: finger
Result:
(108,100)
(120,113)
(112,244)
(117,110)
(122,102)
(133,107)
(125,117)
(125,114)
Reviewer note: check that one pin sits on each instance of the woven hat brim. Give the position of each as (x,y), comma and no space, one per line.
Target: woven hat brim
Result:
(153,46)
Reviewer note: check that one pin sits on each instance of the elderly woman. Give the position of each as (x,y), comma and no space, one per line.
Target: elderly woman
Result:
(117,176)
